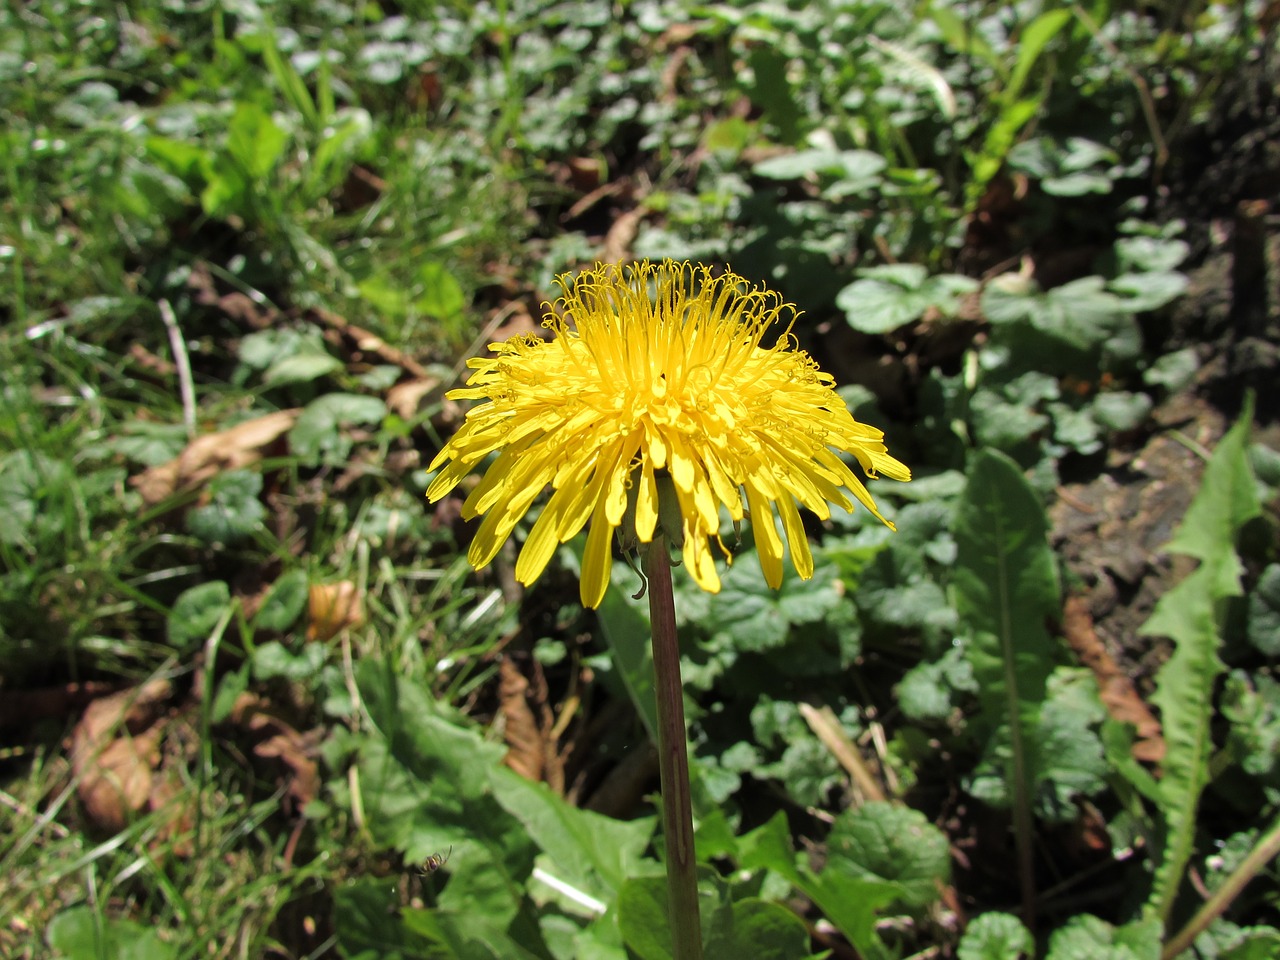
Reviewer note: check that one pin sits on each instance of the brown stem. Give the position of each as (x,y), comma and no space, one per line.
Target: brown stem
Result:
(673,759)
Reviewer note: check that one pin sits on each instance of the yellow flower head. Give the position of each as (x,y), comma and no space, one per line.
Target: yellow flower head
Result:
(656,369)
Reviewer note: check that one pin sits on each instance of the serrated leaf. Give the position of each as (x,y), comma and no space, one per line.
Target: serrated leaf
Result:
(894,844)
(1188,614)
(995,936)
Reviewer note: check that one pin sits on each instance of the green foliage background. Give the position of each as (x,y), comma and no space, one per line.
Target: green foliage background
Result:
(198,200)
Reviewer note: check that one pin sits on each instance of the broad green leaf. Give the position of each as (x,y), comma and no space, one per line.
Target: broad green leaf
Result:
(319,433)
(591,852)
(426,785)
(851,903)
(283,603)
(1174,371)
(1085,937)
(996,936)
(892,296)
(643,918)
(926,690)
(1006,587)
(1189,615)
(1121,410)
(794,166)
(196,612)
(75,934)
(368,925)
(310,362)
(754,928)
(276,660)
(894,844)
(1264,612)
(441,294)
(233,511)
(470,937)
(253,140)
(1006,590)
(1148,291)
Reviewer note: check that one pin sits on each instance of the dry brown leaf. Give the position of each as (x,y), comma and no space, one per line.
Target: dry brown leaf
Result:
(526,749)
(403,399)
(333,607)
(231,449)
(1115,689)
(295,753)
(115,750)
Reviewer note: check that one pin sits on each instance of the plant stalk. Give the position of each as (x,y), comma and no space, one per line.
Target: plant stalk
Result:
(673,759)
(1266,850)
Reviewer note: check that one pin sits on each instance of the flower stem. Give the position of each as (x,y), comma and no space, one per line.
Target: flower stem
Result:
(673,759)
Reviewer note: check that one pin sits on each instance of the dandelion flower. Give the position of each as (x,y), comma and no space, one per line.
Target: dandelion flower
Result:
(657,374)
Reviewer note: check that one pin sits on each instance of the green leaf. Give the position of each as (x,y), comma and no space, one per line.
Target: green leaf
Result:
(1174,371)
(1121,410)
(888,297)
(625,627)
(851,903)
(1085,937)
(149,443)
(254,141)
(1188,614)
(368,925)
(1031,43)
(995,936)
(310,362)
(274,659)
(283,603)
(75,934)
(426,785)
(233,511)
(1264,612)
(1006,590)
(893,844)
(925,691)
(1148,291)
(318,435)
(196,612)
(591,852)
(754,928)
(1252,705)
(441,295)
(643,918)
